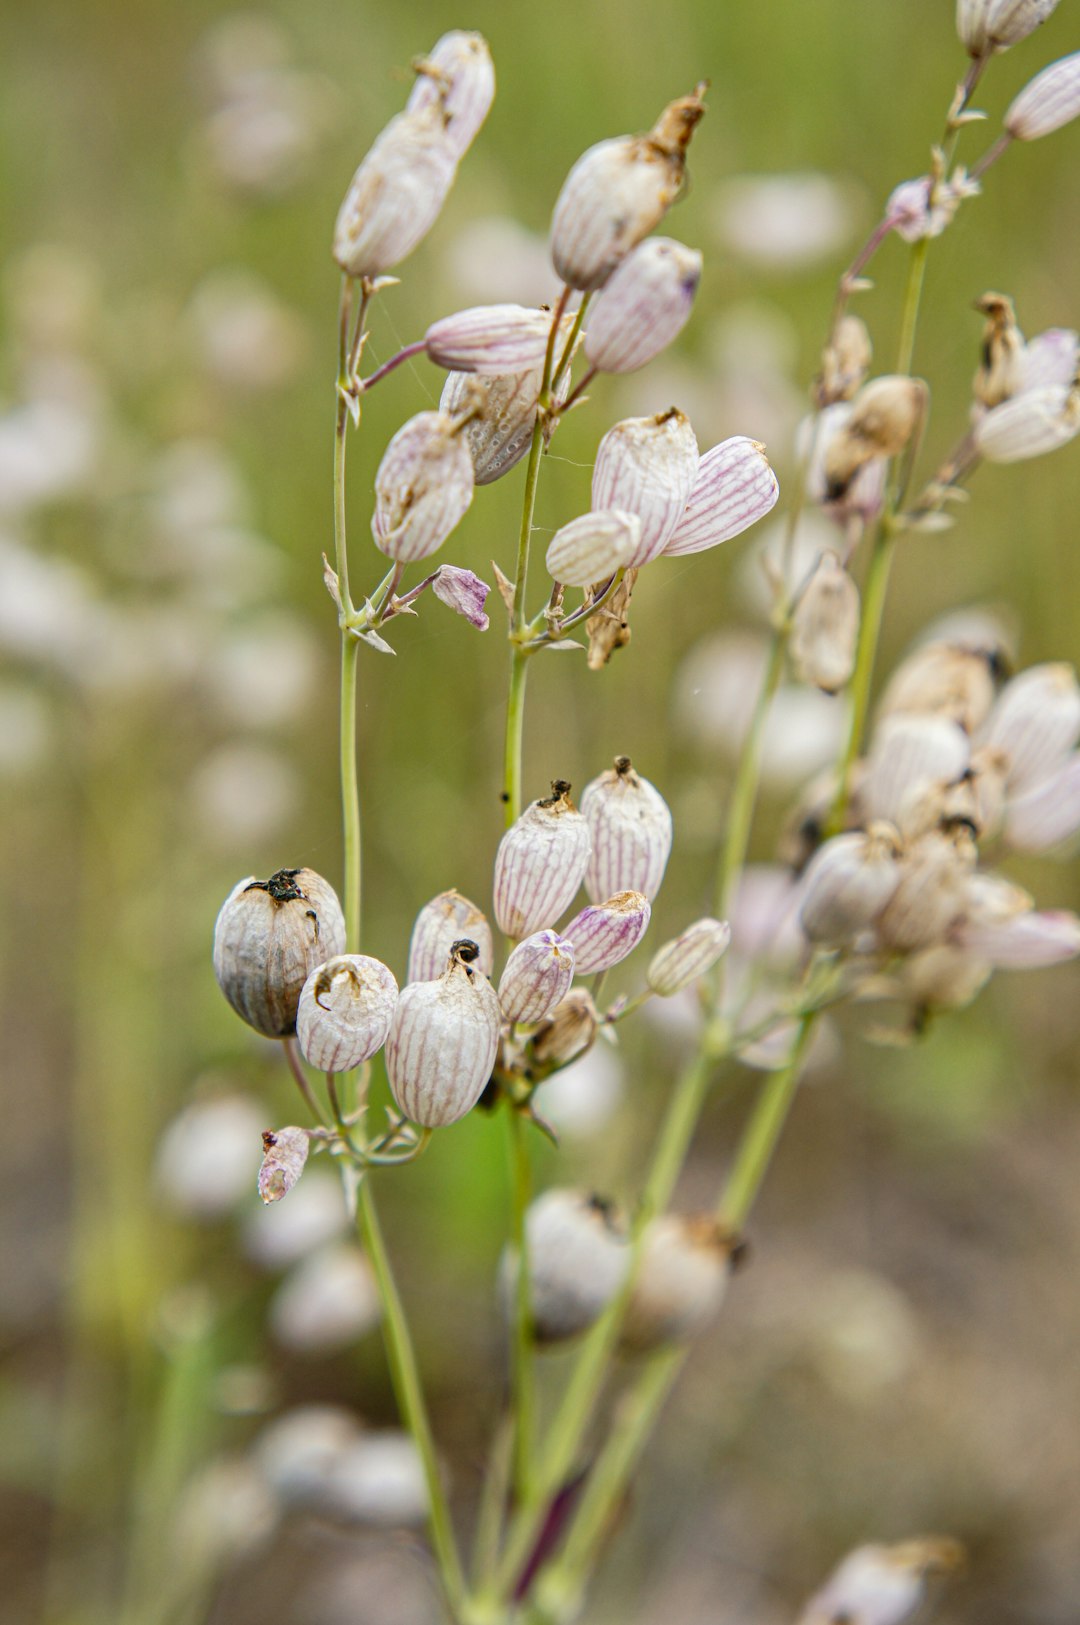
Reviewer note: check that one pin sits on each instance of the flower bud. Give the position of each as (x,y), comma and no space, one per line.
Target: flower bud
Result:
(908,753)
(537,976)
(825,626)
(630,827)
(734,487)
(345,1011)
(1024,941)
(491,339)
(994,25)
(847,884)
(568,1032)
(881,1585)
(457,79)
(1029,425)
(1036,722)
(617,192)
(438,926)
(593,547)
(845,362)
(578,1256)
(604,933)
(680,1283)
(944,679)
(884,415)
(269,936)
(396,194)
(924,207)
(645,304)
(1047,813)
(285,1151)
(687,956)
(443,1040)
(423,487)
(540,863)
(647,466)
(930,895)
(503,414)
(1049,101)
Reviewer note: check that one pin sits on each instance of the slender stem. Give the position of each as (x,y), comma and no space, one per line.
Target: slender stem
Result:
(410,1397)
(515,726)
(493,1496)
(350,793)
(744,791)
(763,1132)
(912,298)
(579,389)
(568,348)
(395,361)
(521,1367)
(991,155)
(292,1055)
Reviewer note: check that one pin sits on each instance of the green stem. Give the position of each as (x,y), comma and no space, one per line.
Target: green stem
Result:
(515,726)
(406,1379)
(763,1132)
(568,348)
(522,1375)
(909,319)
(350,793)
(744,791)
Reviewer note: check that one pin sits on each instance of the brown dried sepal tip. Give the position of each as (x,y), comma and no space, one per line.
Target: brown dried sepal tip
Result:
(559,797)
(464,952)
(281,886)
(609,628)
(999,374)
(670,135)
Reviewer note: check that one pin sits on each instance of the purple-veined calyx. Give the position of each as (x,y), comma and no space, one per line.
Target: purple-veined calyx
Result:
(644,305)
(423,487)
(540,863)
(733,488)
(604,933)
(630,827)
(537,977)
(647,466)
(593,547)
(285,1151)
(443,1040)
(345,1011)
(438,926)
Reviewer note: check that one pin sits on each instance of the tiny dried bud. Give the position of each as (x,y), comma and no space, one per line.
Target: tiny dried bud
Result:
(593,547)
(285,1151)
(578,1255)
(908,754)
(604,933)
(884,415)
(845,362)
(457,79)
(825,626)
(503,410)
(423,487)
(645,304)
(1029,425)
(345,1011)
(463,592)
(443,1040)
(882,1585)
(944,679)
(269,935)
(1047,813)
(930,896)
(734,487)
(438,926)
(648,467)
(688,956)
(396,194)
(630,826)
(617,192)
(491,339)
(1000,373)
(994,25)
(1036,722)
(848,883)
(537,976)
(681,1281)
(569,1030)
(1049,101)
(540,864)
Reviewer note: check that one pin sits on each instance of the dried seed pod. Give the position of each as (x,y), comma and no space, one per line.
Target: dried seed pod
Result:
(569,1030)
(908,754)
(882,1585)
(688,956)
(269,936)
(1001,370)
(457,79)
(396,194)
(733,488)
(438,926)
(645,304)
(630,827)
(593,547)
(578,1254)
(845,362)
(285,1151)
(647,466)
(1030,425)
(540,863)
(537,975)
(1036,722)
(848,882)
(491,339)
(884,415)
(1047,102)
(345,1011)
(944,977)
(423,487)
(930,895)
(617,192)
(944,679)
(443,1040)
(680,1283)
(499,432)
(604,933)
(825,626)
(1048,813)
(994,25)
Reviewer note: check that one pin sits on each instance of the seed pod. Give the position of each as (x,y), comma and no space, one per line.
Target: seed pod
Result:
(909,753)
(1048,813)
(882,1585)
(504,411)
(396,194)
(848,883)
(944,679)
(647,466)
(1047,102)
(630,827)
(733,488)
(593,547)
(944,977)
(645,304)
(540,864)
(1036,722)
(578,1256)
(438,926)
(845,362)
(457,79)
(269,936)
(537,975)
(568,1032)
(994,25)
(423,487)
(884,415)
(680,1283)
(443,1040)
(829,447)
(617,192)
(491,339)
(930,895)
(1025,941)
(604,933)
(1030,425)
(1000,373)
(285,1151)
(825,626)
(345,1011)
(687,956)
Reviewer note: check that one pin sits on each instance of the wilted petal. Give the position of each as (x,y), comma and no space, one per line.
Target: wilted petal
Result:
(1048,812)
(733,489)
(881,1585)
(1029,425)
(1025,941)
(463,592)
(285,1151)
(1049,101)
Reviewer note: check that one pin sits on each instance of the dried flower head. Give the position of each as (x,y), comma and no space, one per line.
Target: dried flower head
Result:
(443,1040)
(345,1011)
(396,194)
(269,936)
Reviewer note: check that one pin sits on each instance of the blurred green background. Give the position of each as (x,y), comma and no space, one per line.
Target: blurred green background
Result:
(900,1356)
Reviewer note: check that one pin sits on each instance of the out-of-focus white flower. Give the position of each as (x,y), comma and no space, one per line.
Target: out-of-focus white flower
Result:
(762,563)
(785,222)
(284,1232)
(993,25)
(49,447)
(225,1510)
(263,676)
(496,258)
(328,1301)
(1029,425)
(581,1099)
(881,1585)
(209,1156)
(242,794)
(295,1452)
(1051,359)
(246,337)
(378,1480)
